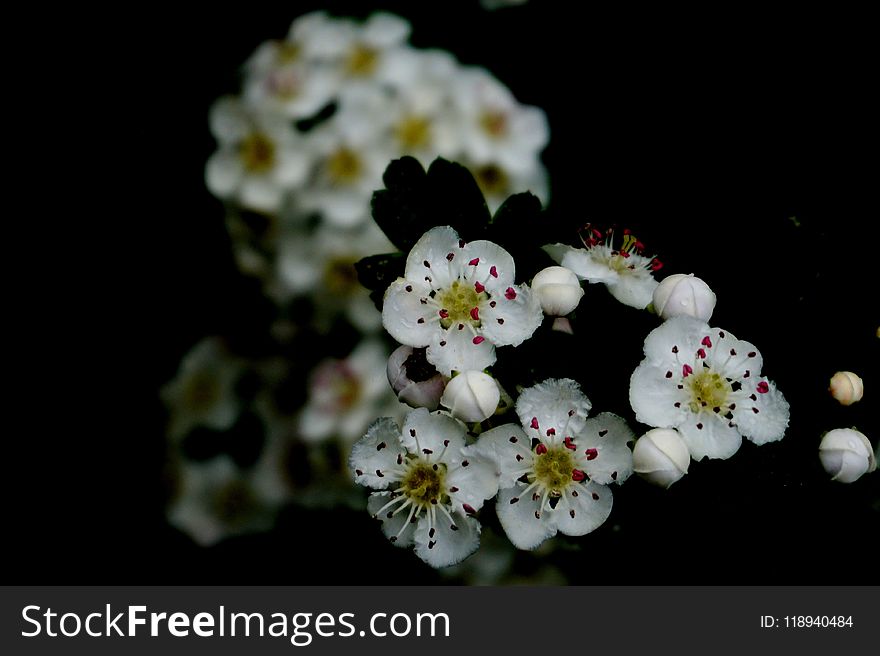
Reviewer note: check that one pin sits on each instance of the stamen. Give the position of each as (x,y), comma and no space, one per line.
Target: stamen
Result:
(763,387)
(474,262)
(493,272)
(479,339)
(534,423)
(577,475)
(686,370)
(541,449)
(592,454)
(510,293)
(479,287)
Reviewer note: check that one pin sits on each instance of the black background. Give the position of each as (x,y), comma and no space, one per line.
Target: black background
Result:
(703,132)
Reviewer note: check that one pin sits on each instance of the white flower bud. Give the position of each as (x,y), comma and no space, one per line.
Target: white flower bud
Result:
(415,393)
(558,290)
(846,387)
(471,396)
(681,294)
(846,454)
(661,457)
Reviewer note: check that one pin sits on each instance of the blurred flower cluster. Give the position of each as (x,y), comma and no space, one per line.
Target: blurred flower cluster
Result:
(300,152)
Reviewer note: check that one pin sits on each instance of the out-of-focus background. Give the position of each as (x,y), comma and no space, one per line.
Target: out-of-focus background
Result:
(733,146)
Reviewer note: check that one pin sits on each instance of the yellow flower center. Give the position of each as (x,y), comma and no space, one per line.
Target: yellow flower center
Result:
(257,153)
(424,483)
(494,124)
(340,276)
(344,166)
(458,302)
(362,61)
(553,469)
(287,52)
(413,132)
(708,390)
(491,179)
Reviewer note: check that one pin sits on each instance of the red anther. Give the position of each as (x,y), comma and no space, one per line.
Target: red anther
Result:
(569,444)
(468,509)
(474,262)
(479,339)
(701,353)
(639,246)
(534,423)
(656,265)
(475,313)
(592,454)
(596,233)
(577,475)
(624,254)
(686,370)
(444,314)
(493,272)
(763,387)
(627,231)
(552,431)
(707,342)
(541,449)
(479,287)
(510,293)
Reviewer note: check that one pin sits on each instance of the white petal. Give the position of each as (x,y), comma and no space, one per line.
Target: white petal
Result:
(591,508)
(587,266)
(223,173)
(490,255)
(771,420)
(434,247)
(454,350)
(709,436)
(429,431)
(443,546)
(476,482)
(228,120)
(653,396)
(518,519)
(556,403)
(502,445)
(260,193)
(370,457)
(315,424)
(345,209)
(634,290)
(512,320)
(681,334)
(384,30)
(391,526)
(608,434)
(731,357)
(403,308)
(293,166)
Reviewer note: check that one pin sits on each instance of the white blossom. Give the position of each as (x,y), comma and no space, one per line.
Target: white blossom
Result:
(471,396)
(846,387)
(555,469)
(430,484)
(661,456)
(681,294)
(622,269)
(707,384)
(846,455)
(459,300)
(558,290)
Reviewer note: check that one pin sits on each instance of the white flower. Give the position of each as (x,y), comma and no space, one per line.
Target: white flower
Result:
(661,456)
(471,396)
(623,270)
(846,454)
(558,290)
(681,294)
(416,382)
(432,484)
(203,391)
(555,470)
(496,128)
(707,384)
(345,395)
(459,300)
(216,500)
(260,157)
(846,387)
(498,183)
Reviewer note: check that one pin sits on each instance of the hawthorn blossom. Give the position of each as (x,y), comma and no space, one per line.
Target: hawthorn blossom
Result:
(707,384)
(555,470)
(260,158)
(622,269)
(459,300)
(430,484)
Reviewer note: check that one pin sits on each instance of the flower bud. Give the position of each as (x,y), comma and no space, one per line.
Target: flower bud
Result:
(413,379)
(471,396)
(558,290)
(661,457)
(846,454)
(846,387)
(681,294)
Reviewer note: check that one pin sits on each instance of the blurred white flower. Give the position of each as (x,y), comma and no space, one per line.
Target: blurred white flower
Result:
(623,269)
(459,300)
(436,484)
(346,395)
(681,294)
(555,470)
(203,391)
(259,160)
(846,455)
(707,384)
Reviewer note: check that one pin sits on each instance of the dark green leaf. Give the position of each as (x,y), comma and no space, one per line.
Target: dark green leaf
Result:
(376,272)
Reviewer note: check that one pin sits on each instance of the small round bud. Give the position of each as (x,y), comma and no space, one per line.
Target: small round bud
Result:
(846,387)
(846,454)
(681,294)
(471,396)
(413,379)
(661,457)
(558,290)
